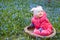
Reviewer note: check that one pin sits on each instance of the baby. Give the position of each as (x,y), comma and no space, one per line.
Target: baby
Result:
(40,22)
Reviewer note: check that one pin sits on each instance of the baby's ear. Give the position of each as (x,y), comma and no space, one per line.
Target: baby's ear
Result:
(32,9)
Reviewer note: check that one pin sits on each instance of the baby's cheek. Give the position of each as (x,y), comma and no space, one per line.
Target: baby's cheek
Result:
(40,15)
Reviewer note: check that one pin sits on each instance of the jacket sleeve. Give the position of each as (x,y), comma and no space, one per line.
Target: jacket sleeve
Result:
(49,24)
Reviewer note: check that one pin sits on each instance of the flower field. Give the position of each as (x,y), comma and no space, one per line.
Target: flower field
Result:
(15,15)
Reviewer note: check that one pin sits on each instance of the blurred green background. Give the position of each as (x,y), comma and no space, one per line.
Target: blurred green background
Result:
(15,15)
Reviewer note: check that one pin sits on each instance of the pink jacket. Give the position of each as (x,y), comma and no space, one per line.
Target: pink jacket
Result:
(42,22)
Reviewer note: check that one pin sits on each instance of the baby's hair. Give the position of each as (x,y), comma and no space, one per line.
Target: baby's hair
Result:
(37,9)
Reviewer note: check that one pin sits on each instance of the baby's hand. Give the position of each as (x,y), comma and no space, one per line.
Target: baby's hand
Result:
(31,25)
(40,29)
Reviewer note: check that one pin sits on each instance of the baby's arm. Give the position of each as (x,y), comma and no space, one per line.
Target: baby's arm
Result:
(48,30)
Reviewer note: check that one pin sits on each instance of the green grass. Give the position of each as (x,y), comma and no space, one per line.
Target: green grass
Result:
(15,15)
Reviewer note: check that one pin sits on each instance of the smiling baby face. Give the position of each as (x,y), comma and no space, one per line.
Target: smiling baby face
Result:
(37,11)
(39,14)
